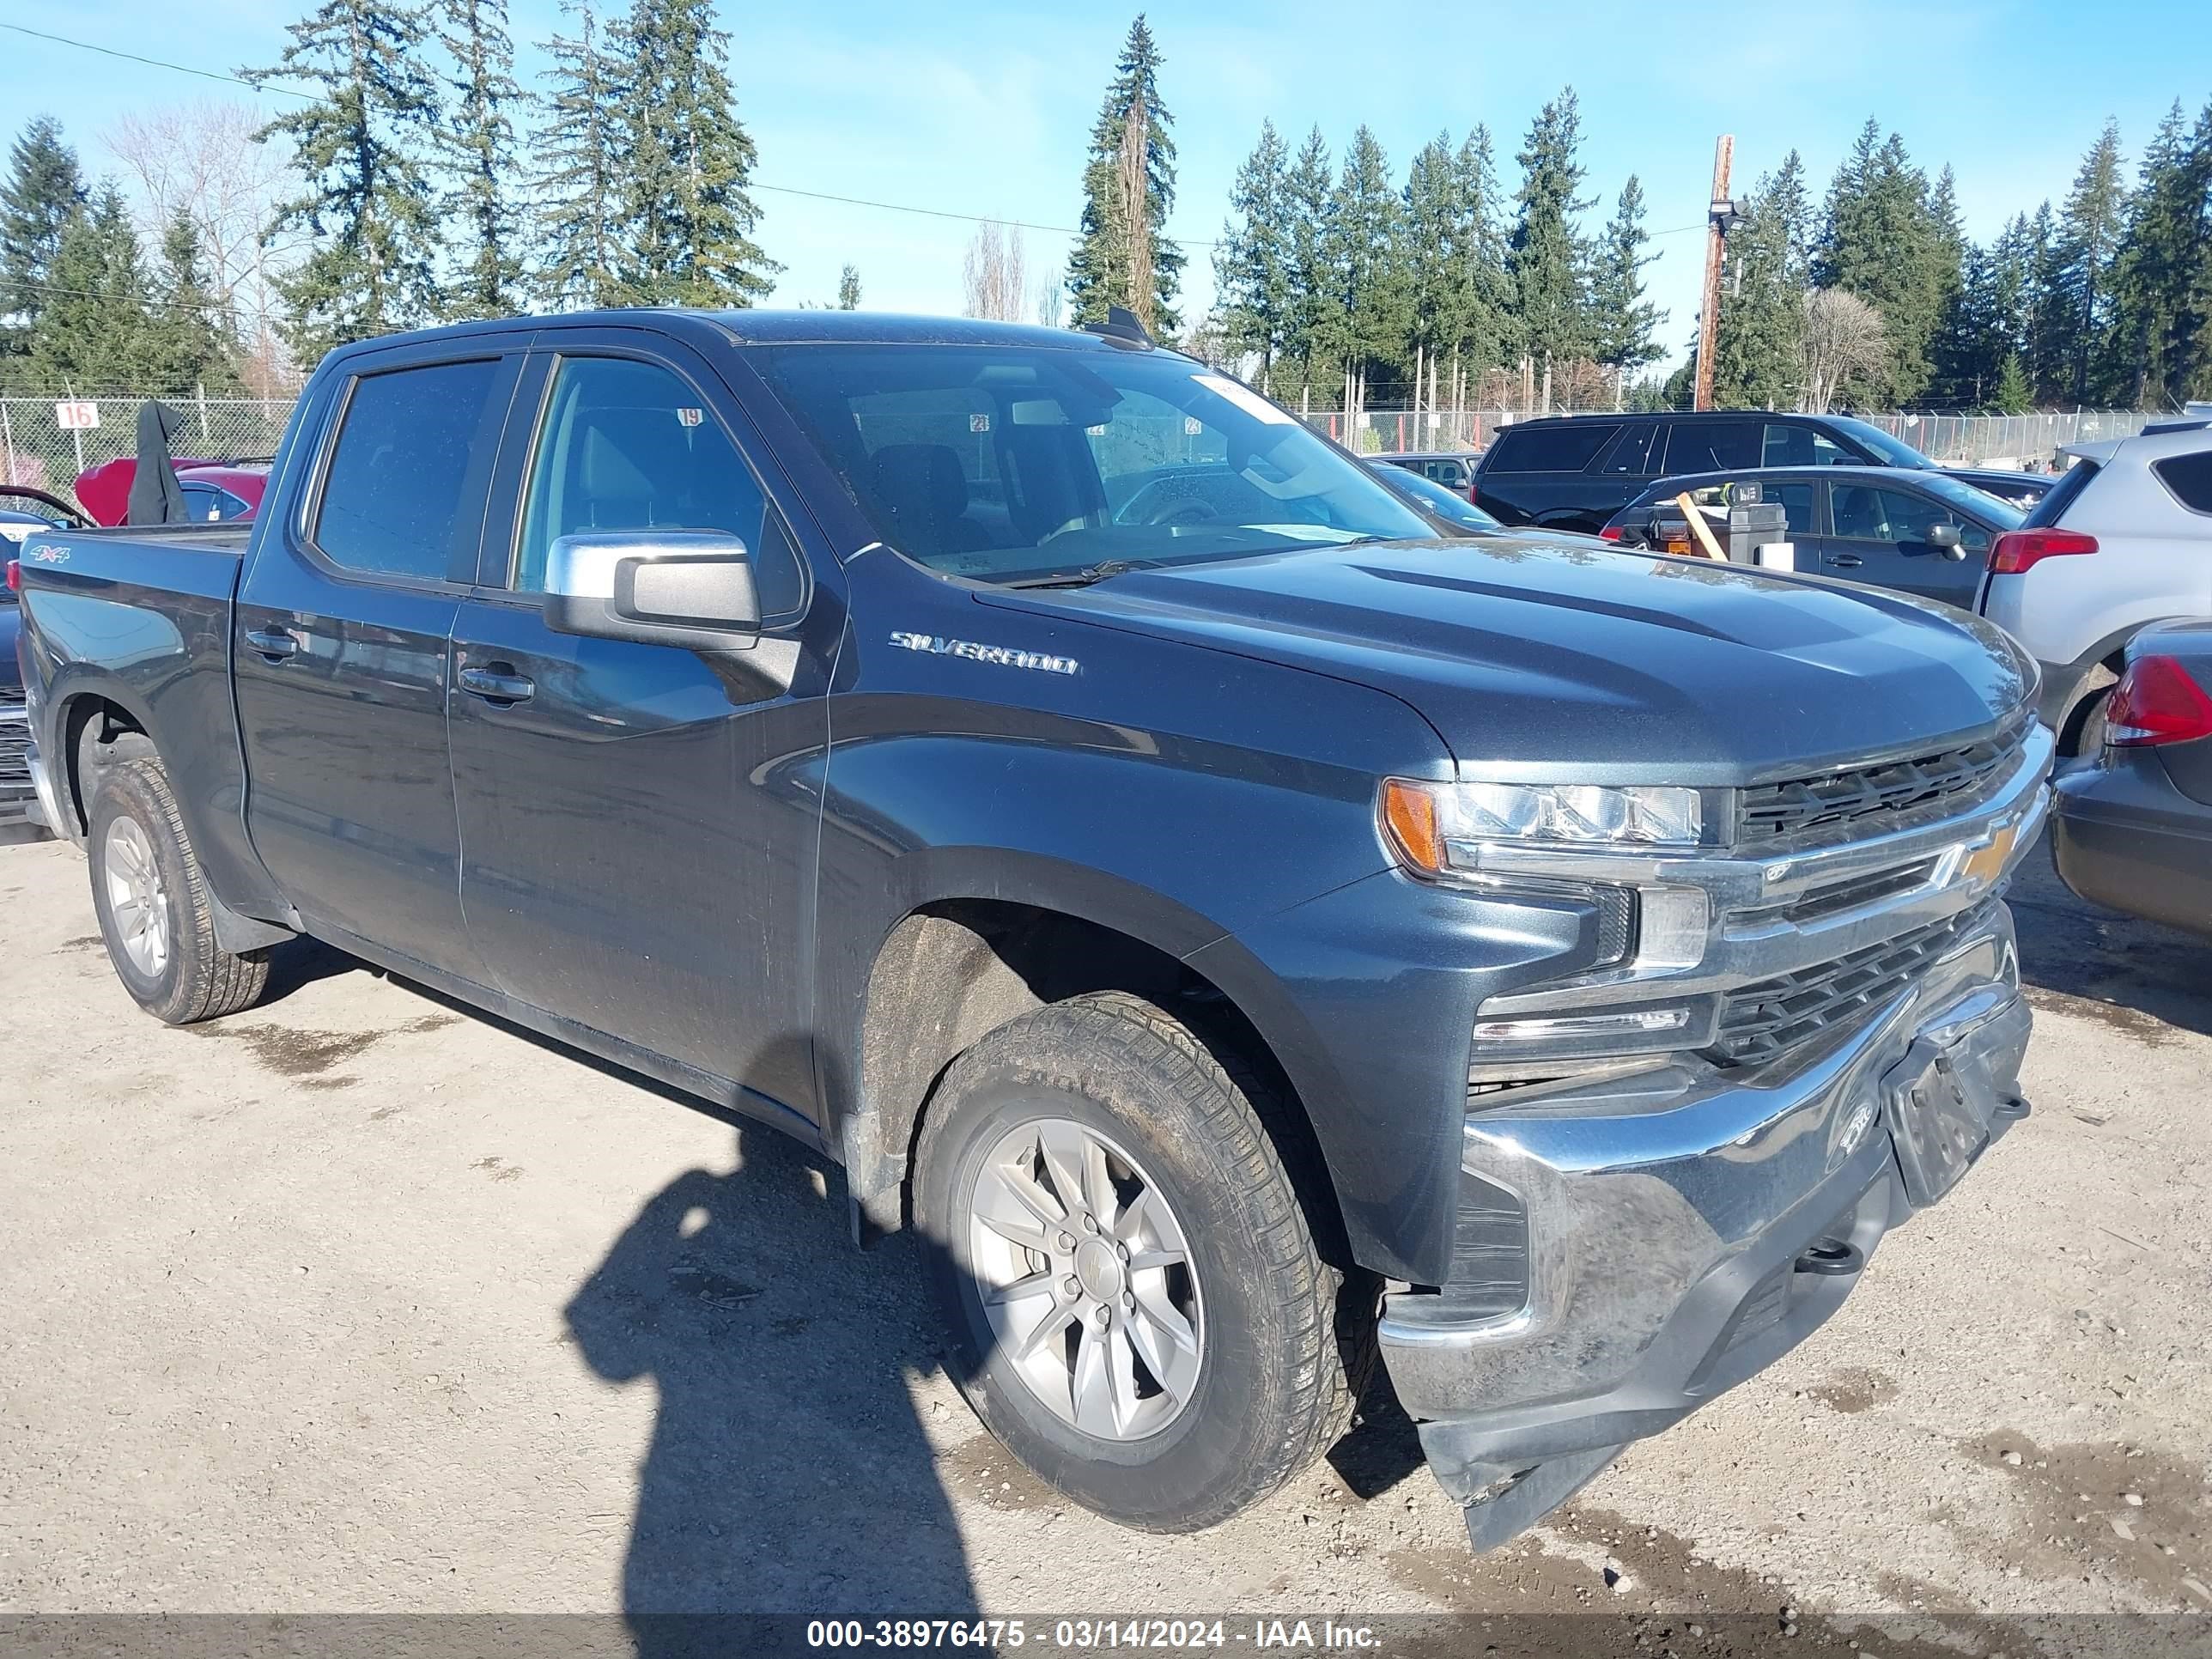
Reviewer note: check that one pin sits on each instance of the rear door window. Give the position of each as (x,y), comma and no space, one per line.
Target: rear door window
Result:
(1793,443)
(1631,454)
(403,494)
(2189,477)
(1568,447)
(1715,445)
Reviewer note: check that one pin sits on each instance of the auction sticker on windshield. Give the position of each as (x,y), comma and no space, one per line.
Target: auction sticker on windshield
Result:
(1246,399)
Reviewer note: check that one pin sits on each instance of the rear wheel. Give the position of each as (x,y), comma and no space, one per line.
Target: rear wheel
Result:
(1138,1308)
(152,902)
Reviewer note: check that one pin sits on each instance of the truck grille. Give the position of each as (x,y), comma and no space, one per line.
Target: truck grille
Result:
(1872,800)
(1762,1020)
(15,749)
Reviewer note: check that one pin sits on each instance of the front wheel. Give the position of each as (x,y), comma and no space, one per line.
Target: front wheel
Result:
(1138,1311)
(152,902)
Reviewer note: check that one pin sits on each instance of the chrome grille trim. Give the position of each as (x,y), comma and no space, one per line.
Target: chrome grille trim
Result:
(1854,802)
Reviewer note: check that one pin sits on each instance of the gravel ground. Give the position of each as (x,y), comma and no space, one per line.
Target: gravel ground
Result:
(357,1303)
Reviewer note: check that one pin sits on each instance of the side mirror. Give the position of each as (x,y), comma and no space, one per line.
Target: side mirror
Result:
(1944,538)
(692,589)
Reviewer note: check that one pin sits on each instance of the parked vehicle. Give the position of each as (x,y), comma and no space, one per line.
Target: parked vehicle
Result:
(213,491)
(1919,533)
(1036,771)
(24,511)
(2135,830)
(1575,471)
(2123,541)
(1452,468)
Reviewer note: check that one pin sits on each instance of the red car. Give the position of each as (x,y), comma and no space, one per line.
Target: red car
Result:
(212,489)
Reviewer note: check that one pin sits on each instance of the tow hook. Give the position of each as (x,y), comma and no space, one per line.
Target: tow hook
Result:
(1832,1258)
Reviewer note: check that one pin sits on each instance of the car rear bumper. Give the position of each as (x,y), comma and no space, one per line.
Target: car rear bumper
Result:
(2124,836)
(1687,1226)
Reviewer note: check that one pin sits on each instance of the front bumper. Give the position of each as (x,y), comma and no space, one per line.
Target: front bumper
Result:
(21,815)
(1687,1225)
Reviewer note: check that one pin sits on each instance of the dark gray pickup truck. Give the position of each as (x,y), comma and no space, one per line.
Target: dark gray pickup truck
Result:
(1238,930)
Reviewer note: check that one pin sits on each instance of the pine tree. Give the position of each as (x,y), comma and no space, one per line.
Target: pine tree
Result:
(1547,255)
(687,160)
(478,142)
(1313,329)
(2162,275)
(43,190)
(1763,298)
(1622,320)
(576,190)
(1882,243)
(1128,188)
(2089,234)
(2046,309)
(188,342)
(1375,298)
(849,288)
(2010,395)
(1251,267)
(1488,334)
(372,265)
(91,337)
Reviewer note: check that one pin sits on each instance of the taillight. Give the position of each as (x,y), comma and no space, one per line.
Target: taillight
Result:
(14,575)
(2156,702)
(1610,533)
(2016,549)
(1471,501)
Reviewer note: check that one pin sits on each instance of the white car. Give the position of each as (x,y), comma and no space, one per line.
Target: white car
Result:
(2123,540)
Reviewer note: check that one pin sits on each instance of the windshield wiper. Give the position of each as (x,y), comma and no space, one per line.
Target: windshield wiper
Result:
(1088,574)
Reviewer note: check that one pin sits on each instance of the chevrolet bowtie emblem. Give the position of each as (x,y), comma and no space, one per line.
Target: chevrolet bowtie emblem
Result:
(1988,863)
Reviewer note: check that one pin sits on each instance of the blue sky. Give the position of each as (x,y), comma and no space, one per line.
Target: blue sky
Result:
(984,108)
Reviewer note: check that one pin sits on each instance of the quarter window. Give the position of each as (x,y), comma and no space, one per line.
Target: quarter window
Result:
(2189,478)
(404,493)
(631,446)
(1568,447)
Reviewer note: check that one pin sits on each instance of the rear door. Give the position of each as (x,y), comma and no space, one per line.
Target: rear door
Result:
(1538,475)
(637,827)
(340,648)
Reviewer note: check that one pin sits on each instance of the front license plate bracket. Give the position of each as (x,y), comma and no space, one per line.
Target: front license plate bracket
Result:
(1939,1117)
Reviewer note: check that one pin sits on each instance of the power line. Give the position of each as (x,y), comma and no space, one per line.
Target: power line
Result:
(157,62)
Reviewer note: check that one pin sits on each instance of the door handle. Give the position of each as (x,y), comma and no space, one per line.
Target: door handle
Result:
(1846,560)
(276,644)
(498,684)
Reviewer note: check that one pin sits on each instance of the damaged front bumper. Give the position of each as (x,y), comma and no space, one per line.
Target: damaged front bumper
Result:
(1685,1225)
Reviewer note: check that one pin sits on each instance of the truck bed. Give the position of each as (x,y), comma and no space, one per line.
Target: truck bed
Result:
(230,537)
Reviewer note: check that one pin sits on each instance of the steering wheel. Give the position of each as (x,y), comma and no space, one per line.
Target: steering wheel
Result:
(1154,505)
(73,518)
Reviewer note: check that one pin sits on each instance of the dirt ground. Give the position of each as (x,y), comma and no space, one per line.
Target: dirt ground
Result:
(357,1303)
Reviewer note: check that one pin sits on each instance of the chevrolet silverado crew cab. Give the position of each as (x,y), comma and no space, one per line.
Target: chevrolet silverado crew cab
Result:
(1238,930)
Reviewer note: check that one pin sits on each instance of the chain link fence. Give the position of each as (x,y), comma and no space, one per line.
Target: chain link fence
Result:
(1953,440)
(37,449)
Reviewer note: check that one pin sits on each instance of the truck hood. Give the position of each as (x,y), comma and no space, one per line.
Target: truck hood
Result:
(1546,663)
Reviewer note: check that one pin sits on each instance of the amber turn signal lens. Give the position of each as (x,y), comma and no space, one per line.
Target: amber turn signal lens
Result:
(1409,820)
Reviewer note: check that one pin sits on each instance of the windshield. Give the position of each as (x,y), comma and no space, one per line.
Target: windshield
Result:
(1441,500)
(1015,462)
(1894,452)
(1977,504)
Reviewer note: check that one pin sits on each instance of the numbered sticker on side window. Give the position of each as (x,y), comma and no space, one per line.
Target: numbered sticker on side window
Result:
(690,417)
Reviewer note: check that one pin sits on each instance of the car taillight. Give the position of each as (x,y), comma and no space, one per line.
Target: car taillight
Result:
(14,575)
(2156,702)
(2016,549)
(1471,501)
(1610,533)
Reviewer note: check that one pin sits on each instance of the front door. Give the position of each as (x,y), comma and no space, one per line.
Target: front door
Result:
(341,649)
(1879,535)
(637,825)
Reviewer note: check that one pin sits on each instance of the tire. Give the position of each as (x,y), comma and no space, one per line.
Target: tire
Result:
(1267,1390)
(152,902)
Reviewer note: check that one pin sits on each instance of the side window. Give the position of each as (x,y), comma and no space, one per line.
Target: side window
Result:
(1568,447)
(1866,514)
(1631,454)
(1796,500)
(1714,445)
(2189,477)
(630,446)
(202,502)
(404,493)
(1792,443)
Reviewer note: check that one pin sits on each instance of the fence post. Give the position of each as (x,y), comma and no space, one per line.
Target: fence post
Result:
(8,437)
(201,389)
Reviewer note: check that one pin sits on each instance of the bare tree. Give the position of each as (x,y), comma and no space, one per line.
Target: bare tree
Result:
(1842,336)
(200,160)
(995,274)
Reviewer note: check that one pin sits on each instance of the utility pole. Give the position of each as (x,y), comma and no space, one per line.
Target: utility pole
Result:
(1720,217)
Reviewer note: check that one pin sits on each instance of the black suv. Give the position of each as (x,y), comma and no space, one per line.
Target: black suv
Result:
(1575,471)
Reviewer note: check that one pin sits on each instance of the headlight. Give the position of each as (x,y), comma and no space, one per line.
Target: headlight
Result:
(1434,828)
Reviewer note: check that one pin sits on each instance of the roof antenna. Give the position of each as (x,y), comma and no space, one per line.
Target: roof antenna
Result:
(1121,324)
